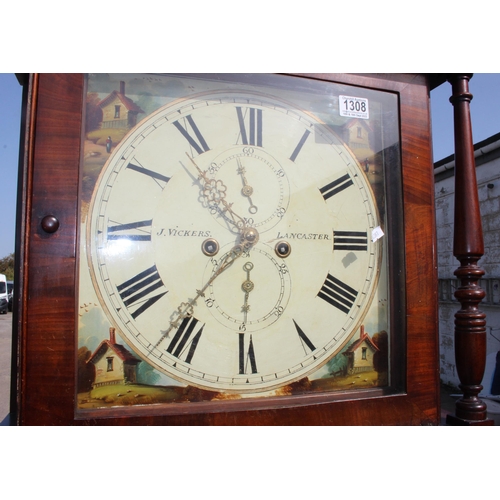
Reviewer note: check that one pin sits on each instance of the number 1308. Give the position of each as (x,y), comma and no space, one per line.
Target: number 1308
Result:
(356,107)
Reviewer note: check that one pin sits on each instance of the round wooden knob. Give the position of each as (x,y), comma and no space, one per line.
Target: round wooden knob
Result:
(50,224)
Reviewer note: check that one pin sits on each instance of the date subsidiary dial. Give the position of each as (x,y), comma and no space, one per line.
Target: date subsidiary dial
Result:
(253,294)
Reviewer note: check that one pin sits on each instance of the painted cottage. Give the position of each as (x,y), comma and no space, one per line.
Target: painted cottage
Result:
(118,111)
(358,134)
(113,363)
(360,353)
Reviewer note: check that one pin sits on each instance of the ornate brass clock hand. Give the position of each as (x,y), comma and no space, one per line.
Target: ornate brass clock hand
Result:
(186,309)
(215,191)
(246,190)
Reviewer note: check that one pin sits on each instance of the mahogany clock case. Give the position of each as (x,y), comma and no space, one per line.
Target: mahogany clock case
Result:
(48,373)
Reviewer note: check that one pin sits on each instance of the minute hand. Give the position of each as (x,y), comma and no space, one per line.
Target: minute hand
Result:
(186,308)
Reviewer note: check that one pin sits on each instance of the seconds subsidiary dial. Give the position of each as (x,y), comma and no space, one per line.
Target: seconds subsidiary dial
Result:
(229,241)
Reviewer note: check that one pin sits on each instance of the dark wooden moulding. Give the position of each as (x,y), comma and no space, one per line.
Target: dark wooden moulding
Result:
(44,322)
(468,248)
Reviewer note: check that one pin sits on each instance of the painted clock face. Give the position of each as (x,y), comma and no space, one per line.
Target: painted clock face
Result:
(230,241)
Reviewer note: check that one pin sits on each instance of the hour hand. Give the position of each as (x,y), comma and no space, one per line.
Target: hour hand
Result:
(214,192)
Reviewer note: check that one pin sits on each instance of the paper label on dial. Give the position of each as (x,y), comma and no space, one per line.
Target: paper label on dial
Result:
(377,233)
(353,107)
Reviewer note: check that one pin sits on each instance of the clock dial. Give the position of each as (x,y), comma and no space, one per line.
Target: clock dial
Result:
(229,240)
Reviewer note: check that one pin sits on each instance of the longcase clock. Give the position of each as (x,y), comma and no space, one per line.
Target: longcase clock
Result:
(227,250)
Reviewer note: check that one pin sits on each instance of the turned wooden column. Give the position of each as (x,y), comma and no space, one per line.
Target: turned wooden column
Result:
(468,248)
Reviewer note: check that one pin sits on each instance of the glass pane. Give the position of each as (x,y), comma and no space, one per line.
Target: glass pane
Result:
(236,238)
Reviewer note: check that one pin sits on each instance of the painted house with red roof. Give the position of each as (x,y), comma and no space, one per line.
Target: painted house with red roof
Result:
(358,135)
(119,111)
(113,363)
(360,353)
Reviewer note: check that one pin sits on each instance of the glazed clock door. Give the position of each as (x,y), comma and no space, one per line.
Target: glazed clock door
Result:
(248,173)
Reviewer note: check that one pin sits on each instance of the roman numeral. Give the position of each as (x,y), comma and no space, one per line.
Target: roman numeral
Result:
(201,146)
(126,231)
(245,358)
(134,291)
(254,135)
(336,186)
(338,294)
(181,340)
(350,240)
(302,141)
(157,177)
(304,338)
